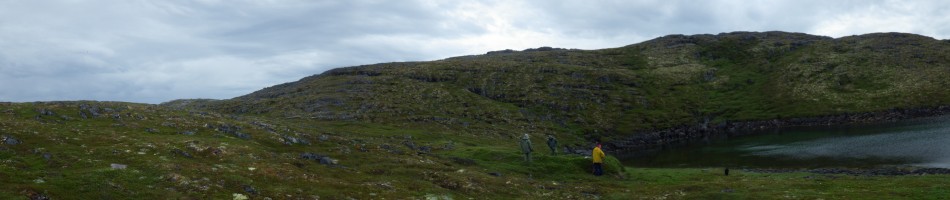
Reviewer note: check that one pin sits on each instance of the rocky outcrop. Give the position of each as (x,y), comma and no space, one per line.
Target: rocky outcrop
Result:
(887,171)
(678,135)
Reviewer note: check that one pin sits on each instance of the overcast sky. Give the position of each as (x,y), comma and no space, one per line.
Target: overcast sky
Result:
(156,51)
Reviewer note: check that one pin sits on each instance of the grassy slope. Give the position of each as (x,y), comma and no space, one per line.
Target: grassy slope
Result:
(458,166)
(665,82)
(468,110)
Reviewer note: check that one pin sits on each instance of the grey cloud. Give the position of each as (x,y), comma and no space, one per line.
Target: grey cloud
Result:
(155,51)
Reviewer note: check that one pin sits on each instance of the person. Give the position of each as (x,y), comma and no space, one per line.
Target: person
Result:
(526,147)
(552,143)
(598,157)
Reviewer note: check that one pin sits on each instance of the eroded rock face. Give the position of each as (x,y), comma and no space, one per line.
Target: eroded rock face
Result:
(658,138)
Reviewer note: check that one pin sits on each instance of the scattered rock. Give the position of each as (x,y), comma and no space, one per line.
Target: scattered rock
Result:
(425,150)
(33,195)
(47,156)
(250,189)
(46,112)
(187,133)
(92,110)
(10,140)
(410,144)
(181,153)
(242,135)
(326,160)
(324,138)
(169,124)
(311,156)
(118,166)
(289,140)
(151,130)
(239,196)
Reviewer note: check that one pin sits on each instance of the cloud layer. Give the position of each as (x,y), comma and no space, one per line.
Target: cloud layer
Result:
(155,51)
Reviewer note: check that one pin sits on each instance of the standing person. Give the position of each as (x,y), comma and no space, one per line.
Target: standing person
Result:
(526,147)
(598,156)
(552,143)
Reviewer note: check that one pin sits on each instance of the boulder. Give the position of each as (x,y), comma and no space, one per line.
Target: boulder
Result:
(181,153)
(311,156)
(326,160)
(250,189)
(46,112)
(10,140)
(242,135)
(118,166)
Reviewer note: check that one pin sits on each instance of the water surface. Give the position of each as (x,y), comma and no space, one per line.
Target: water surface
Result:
(920,142)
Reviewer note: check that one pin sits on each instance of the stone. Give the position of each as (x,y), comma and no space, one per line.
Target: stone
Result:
(496,174)
(151,130)
(425,150)
(241,135)
(47,112)
(289,140)
(47,156)
(118,166)
(250,189)
(187,133)
(33,195)
(182,153)
(410,144)
(326,160)
(324,138)
(239,196)
(10,140)
(311,156)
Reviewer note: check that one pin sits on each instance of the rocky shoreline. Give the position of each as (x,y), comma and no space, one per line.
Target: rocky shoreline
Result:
(884,171)
(678,135)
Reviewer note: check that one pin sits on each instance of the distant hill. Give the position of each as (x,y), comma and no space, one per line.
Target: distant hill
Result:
(665,82)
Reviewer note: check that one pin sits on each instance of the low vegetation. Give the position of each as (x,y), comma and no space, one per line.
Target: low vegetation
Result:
(447,129)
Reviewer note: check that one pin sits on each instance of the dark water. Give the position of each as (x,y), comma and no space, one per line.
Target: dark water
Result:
(920,142)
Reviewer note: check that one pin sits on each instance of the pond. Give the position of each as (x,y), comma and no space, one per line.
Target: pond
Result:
(921,142)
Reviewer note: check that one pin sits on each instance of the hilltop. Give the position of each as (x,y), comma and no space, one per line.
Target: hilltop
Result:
(446,129)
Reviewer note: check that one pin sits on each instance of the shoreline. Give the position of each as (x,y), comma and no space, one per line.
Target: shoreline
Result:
(649,140)
(879,171)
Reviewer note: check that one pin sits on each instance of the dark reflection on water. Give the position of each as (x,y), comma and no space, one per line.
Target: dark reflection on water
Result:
(921,142)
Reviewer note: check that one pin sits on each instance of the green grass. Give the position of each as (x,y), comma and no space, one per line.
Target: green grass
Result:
(468,111)
(459,166)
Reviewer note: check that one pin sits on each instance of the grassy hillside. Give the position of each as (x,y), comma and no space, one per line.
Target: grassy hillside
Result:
(588,94)
(447,129)
(137,151)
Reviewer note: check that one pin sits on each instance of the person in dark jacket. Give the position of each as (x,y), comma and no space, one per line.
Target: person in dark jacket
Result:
(526,147)
(552,143)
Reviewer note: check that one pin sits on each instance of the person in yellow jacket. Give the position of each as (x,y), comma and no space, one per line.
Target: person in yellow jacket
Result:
(598,156)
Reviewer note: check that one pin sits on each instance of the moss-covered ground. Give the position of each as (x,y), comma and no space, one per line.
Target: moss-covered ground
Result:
(177,154)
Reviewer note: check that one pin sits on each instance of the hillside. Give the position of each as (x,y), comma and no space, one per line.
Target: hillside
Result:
(446,129)
(666,82)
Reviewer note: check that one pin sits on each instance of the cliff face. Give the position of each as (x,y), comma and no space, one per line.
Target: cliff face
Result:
(666,82)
